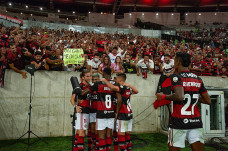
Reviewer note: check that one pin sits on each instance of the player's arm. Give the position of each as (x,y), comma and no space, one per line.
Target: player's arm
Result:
(72,99)
(134,90)
(119,102)
(111,86)
(92,88)
(86,91)
(204,96)
(178,94)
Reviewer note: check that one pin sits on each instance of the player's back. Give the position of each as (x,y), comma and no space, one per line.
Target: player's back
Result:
(105,106)
(186,114)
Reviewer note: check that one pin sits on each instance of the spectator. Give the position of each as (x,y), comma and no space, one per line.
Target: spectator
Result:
(112,55)
(55,61)
(145,65)
(167,67)
(207,66)
(69,67)
(128,64)
(223,72)
(40,64)
(3,65)
(94,63)
(118,68)
(17,61)
(106,63)
(157,64)
(84,65)
(196,65)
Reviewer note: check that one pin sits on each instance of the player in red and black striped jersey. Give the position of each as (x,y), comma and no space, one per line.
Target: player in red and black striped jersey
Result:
(83,108)
(185,121)
(92,116)
(124,112)
(105,110)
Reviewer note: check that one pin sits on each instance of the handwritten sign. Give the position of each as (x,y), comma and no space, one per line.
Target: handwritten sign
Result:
(73,56)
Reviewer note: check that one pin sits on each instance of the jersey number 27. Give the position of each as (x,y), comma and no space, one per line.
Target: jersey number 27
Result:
(186,106)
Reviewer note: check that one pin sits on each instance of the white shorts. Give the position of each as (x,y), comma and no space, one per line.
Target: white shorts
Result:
(177,137)
(82,121)
(124,125)
(102,124)
(92,117)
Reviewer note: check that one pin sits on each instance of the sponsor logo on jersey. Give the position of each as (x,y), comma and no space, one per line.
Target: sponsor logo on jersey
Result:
(192,84)
(185,121)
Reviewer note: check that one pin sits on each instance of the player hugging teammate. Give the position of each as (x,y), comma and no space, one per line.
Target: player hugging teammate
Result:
(100,119)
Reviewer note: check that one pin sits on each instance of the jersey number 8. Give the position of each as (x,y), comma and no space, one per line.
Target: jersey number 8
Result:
(108,101)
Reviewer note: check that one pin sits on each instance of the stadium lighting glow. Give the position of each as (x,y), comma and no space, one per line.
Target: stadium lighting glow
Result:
(21,13)
(156,14)
(10,4)
(101,12)
(172,14)
(58,11)
(215,13)
(6,11)
(143,14)
(67,18)
(73,12)
(130,14)
(26,6)
(41,8)
(31,14)
(199,14)
(186,14)
(113,14)
(89,12)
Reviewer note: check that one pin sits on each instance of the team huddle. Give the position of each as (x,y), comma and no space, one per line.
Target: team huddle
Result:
(104,109)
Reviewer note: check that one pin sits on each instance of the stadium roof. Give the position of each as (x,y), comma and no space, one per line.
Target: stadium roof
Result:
(123,6)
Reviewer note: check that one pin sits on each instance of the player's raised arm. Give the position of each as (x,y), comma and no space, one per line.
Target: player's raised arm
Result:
(111,86)
(134,90)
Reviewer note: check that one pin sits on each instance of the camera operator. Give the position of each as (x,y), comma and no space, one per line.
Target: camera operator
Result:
(40,64)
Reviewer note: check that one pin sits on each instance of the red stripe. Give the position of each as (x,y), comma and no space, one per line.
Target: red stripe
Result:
(203,92)
(102,107)
(166,83)
(177,86)
(123,109)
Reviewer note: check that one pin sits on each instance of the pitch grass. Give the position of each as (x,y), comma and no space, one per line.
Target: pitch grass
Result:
(141,142)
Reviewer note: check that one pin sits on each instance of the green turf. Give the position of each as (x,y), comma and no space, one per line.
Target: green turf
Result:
(141,142)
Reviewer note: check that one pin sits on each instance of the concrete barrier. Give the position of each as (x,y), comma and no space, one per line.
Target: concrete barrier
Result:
(51,103)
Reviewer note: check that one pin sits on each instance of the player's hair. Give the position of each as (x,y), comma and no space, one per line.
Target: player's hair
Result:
(95,75)
(84,72)
(122,75)
(184,58)
(107,71)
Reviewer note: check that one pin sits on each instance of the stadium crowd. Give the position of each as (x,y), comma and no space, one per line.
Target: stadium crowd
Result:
(218,35)
(123,53)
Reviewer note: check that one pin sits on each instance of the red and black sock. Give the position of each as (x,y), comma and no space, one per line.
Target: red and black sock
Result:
(122,142)
(75,142)
(89,137)
(93,135)
(80,143)
(115,141)
(102,144)
(128,141)
(108,143)
(97,142)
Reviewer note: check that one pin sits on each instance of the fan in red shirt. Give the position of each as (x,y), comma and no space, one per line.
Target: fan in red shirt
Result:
(207,66)
(196,65)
